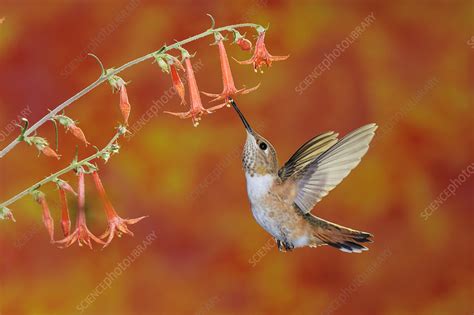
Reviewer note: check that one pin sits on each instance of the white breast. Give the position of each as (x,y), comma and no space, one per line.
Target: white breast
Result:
(258,186)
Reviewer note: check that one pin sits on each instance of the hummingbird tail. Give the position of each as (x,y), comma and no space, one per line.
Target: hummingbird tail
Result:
(340,237)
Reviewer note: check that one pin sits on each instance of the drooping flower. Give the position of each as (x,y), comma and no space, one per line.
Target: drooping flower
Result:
(125,107)
(261,55)
(81,234)
(117,225)
(71,125)
(118,84)
(196,110)
(78,133)
(64,187)
(227,79)
(169,63)
(42,145)
(50,152)
(65,219)
(47,219)
(178,85)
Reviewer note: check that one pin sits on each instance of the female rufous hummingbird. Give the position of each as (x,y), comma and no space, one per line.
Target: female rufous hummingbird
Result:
(281,199)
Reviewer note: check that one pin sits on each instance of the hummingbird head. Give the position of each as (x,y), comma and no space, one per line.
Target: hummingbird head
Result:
(259,157)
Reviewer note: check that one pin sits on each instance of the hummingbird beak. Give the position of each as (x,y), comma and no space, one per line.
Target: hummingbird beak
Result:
(244,121)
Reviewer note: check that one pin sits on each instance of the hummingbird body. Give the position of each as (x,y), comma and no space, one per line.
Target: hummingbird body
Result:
(266,204)
(271,204)
(281,199)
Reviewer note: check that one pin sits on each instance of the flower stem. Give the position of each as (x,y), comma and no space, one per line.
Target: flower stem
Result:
(72,166)
(105,76)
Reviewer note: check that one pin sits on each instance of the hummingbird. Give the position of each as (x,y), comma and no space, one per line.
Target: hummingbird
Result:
(281,199)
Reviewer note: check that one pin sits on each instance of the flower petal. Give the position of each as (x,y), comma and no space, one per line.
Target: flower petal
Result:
(244,62)
(279,58)
(246,91)
(136,220)
(181,115)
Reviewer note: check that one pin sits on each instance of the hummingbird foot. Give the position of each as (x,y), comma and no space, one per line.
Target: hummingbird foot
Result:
(284,246)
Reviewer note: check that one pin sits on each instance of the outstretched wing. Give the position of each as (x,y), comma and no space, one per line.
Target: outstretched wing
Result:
(324,173)
(307,153)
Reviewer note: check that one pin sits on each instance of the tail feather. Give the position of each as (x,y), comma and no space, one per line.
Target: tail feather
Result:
(340,237)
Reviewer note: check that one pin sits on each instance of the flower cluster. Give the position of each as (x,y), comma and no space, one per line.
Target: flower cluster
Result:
(197,109)
(170,63)
(176,67)
(43,145)
(227,78)
(81,234)
(261,56)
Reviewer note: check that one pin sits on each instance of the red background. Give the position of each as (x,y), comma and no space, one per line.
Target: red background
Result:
(210,256)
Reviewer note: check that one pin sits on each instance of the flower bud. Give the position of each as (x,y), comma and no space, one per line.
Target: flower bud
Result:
(124,105)
(118,83)
(244,43)
(47,219)
(65,186)
(6,213)
(42,145)
(261,56)
(163,65)
(78,133)
(70,124)
(49,152)
(65,219)
(64,120)
(177,83)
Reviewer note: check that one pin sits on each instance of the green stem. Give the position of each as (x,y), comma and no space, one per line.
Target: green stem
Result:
(72,166)
(104,78)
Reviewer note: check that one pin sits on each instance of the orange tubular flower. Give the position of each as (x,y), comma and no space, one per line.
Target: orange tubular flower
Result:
(81,234)
(50,152)
(47,219)
(78,133)
(227,79)
(125,107)
(42,145)
(261,55)
(117,225)
(65,219)
(70,125)
(177,83)
(197,109)
(118,84)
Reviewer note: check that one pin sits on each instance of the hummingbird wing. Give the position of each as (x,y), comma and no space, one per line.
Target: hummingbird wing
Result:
(307,153)
(329,168)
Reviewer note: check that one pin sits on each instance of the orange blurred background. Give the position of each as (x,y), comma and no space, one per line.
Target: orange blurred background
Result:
(410,71)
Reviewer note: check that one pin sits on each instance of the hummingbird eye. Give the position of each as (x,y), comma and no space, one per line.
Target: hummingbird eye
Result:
(263,146)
